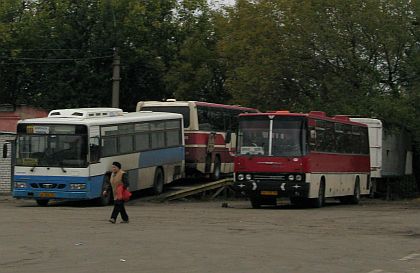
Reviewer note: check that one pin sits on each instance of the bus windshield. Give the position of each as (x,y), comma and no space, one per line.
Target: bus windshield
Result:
(183,110)
(50,149)
(288,136)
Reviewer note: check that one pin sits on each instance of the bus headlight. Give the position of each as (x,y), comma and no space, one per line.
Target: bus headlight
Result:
(298,177)
(291,177)
(20,185)
(248,177)
(241,177)
(77,186)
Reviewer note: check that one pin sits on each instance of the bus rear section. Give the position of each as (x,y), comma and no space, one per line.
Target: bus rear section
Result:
(210,134)
(304,157)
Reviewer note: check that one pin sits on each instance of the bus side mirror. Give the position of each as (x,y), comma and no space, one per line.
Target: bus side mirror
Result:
(228,137)
(5,150)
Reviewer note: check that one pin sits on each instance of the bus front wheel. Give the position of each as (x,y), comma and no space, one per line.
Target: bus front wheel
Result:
(319,201)
(42,202)
(158,181)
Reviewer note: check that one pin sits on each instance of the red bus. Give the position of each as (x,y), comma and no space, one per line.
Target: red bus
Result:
(305,157)
(210,134)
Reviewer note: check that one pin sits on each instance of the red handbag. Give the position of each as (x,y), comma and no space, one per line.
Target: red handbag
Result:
(123,193)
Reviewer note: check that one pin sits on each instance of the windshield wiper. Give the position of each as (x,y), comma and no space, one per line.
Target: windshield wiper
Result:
(33,168)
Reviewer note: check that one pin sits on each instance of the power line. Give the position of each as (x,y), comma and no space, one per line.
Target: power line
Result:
(49,60)
(49,49)
(57,59)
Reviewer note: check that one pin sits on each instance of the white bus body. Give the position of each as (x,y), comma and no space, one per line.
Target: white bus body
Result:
(68,154)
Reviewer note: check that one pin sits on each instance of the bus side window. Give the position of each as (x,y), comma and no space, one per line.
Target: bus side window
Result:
(312,139)
(94,149)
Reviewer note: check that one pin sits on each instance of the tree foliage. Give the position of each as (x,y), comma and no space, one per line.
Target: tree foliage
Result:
(353,57)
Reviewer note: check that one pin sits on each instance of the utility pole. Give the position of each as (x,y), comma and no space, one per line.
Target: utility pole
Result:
(116,79)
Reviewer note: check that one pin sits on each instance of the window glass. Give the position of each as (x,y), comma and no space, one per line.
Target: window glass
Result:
(340,138)
(288,137)
(329,138)
(158,139)
(253,136)
(184,110)
(142,141)
(126,144)
(217,119)
(173,138)
(141,127)
(125,129)
(173,124)
(52,150)
(109,130)
(109,146)
(364,140)
(320,135)
(356,140)
(204,118)
(157,125)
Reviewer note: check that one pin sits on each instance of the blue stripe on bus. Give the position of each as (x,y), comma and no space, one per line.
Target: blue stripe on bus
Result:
(161,157)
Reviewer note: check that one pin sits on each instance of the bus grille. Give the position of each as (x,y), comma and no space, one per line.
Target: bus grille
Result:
(270,177)
(48,185)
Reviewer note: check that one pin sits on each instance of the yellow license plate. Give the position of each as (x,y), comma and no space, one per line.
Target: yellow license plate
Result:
(269,193)
(47,194)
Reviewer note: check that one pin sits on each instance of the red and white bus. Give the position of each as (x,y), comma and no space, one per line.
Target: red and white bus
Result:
(306,157)
(210,134)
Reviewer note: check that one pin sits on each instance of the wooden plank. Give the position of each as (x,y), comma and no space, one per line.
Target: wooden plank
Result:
(194,190)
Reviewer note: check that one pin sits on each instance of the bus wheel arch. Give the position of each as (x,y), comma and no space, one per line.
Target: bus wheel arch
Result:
(319,201)
(355,199)
(158,181)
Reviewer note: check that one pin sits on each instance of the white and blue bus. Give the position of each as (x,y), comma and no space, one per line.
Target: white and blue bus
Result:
(68,155)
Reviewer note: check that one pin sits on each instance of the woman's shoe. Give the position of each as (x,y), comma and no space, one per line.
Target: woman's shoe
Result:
(112,220)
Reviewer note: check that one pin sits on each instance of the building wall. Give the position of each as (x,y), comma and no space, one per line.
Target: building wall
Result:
(6,163)
(9,119)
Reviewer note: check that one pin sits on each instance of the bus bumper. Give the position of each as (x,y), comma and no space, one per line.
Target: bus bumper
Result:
(272,188)
(51,195)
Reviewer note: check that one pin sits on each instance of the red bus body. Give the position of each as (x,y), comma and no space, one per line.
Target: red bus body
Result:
(337,166)
(210,134)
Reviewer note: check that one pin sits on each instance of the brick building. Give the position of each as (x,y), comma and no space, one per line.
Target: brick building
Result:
(9,116)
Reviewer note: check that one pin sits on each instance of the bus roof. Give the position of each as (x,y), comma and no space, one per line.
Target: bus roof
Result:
(120,117)
(198,103)
(313,114)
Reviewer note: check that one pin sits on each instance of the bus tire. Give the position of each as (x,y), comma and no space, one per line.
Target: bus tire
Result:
(158,181)
(105,200)
(42,202)
(255,203)
(355,198)
(217,170)
(319,201)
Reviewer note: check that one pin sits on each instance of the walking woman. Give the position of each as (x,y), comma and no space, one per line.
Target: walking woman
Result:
(118,178)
